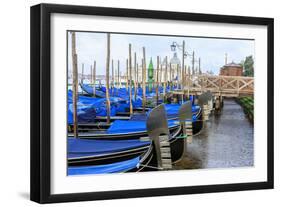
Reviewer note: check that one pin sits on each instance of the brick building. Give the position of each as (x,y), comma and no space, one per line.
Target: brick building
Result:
(231,69)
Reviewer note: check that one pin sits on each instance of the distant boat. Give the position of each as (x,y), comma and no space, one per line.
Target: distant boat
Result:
(90,91)
(120,106)
(123,93)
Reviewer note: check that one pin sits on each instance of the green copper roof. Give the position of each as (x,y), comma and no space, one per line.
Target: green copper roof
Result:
(150,65)
(150,69)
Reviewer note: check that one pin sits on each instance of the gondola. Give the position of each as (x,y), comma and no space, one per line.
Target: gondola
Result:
(85,113)
(117,106)
(91,158)
(120,95)
(105,156)
(123,93)
(83,152)
(131,165)
(98,151)
(158,131)
(135,127)
(96,105)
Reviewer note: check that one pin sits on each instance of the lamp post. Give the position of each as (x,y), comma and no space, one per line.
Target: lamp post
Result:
(181,47)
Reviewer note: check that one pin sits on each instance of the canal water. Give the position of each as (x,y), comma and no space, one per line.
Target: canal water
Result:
(226,141)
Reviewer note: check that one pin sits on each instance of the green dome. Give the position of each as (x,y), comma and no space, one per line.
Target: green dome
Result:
(175,60)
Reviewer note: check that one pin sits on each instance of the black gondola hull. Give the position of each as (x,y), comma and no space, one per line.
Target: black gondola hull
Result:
(108,158)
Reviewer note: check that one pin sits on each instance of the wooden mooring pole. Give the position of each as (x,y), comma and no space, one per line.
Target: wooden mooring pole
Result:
(82,74)
(193,62)
(183,69)
(130,78)
(112,77)
(188,83)
(137,80)
(107,79)
(157,81)
(178,76)
(135,76)
(91,74)
(118,73)
(144,80)
(74,85)
(160,72)
(127,74)
(170,68)
(165,77)
(199,66)
(94,79)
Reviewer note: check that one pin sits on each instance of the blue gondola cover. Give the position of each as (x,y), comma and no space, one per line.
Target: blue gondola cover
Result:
(117,167)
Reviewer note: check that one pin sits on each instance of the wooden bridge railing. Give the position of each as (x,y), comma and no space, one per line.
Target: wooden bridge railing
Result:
(228,86)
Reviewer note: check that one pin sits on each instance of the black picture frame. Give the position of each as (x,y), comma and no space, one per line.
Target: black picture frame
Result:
(41,96)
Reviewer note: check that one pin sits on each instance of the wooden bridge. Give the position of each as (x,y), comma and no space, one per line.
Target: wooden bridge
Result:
(223,86)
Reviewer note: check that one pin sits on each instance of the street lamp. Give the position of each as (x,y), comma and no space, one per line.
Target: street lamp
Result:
(175,45)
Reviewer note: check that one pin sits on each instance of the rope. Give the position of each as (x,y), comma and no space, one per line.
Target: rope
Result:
(183,137)
(152,167)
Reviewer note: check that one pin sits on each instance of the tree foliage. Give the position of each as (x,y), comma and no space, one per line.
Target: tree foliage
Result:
(248,65)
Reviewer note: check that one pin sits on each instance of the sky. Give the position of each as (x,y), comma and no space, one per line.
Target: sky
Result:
(91,46)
